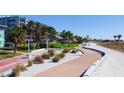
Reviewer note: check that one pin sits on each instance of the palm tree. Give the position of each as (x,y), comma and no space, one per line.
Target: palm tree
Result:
(66,35)
(52,33)
(79,39)
(34,32)
(30,28)
(69,35)
(16,35)
(87,38)
(38,33)
(119,37)
(48,34)
(63,34)
(115,37)
(45,33)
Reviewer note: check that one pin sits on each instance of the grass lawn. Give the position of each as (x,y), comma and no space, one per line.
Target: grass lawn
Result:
(24,49)
(5,54)
(60,45)
(113,45)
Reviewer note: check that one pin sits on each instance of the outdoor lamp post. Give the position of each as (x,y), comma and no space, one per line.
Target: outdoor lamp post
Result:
(28,46)
(75,40)
(47,44)
(67,41)
(61,42)
(47,41)
(29,52)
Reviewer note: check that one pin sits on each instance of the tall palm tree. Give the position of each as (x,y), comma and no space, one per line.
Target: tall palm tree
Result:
(38,33)
(48,35)
(115,37)
(52,33)
(63,34)
(16,35)
(87,37)
(67,35)
(30,28)
(119,36)
(79,39)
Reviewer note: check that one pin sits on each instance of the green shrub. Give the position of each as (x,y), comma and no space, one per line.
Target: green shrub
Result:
(23,68)
(16,71)
(60,45)
(29,63)
(38,60)
(56,59)
(42,46)
(61,55)
(74,51)
(22,47)
(66,50)
(46,56)
(55,45)
(51,53)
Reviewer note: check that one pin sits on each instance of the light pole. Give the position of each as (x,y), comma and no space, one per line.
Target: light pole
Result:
(47,44)
(75,39)
(29,52)
(67,41)
(28,46)
(47,41)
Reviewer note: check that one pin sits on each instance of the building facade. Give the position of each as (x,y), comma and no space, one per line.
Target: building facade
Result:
(12,21)
(2,38)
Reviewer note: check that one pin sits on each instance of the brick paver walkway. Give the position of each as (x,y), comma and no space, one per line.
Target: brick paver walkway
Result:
(72,68)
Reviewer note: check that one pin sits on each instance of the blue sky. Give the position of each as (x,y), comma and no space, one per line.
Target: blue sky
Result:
(103,27)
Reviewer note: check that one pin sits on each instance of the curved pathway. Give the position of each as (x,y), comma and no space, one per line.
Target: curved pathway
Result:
(73,68)
(112,65)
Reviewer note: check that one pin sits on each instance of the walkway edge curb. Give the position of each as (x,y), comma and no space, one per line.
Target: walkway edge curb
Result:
(92,68)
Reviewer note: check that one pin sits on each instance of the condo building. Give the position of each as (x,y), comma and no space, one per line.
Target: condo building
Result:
(2,36)
(12,21)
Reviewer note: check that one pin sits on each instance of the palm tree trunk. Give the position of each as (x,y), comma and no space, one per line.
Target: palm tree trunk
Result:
(15,47)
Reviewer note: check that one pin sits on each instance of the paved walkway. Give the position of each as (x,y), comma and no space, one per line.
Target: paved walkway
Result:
(73,68)
(112,65)
(9,63)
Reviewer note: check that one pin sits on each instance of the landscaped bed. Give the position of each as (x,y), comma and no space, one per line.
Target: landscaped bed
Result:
(45,59)
(40,63)
(37,68)
(24,48)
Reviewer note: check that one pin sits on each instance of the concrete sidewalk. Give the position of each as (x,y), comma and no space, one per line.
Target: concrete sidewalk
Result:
(112,65)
